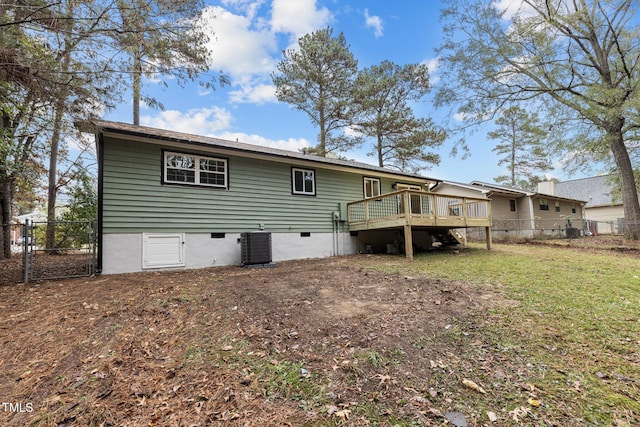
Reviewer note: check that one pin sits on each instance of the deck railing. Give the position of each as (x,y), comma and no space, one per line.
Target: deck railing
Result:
(419,208)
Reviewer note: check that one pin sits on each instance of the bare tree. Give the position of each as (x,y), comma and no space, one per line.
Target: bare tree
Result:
(581,54)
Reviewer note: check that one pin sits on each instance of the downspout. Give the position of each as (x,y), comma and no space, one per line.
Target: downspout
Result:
(333,234)
(100,153)
(532,216)
(583,217)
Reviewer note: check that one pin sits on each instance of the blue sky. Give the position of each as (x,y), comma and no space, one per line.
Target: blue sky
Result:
(249,38)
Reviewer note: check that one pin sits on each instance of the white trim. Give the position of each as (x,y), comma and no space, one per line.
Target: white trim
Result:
(411,187)
(196,169)
(371,180)
(304,172)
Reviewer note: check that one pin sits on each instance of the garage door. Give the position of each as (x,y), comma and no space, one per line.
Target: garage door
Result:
(162,250)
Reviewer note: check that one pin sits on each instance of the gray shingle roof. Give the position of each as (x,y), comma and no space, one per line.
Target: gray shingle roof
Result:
(596,191)
(510,191)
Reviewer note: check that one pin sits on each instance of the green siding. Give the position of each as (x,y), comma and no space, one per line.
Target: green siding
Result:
(134,199)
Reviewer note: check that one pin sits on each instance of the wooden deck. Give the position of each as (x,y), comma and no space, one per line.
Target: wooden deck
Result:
(410,208)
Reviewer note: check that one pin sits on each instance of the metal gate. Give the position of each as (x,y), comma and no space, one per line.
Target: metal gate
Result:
(72,255)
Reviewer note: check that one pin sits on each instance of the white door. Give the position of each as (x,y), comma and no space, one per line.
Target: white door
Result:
(162,250)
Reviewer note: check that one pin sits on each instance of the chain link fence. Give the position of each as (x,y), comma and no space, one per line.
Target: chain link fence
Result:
(72,254)
(514,229)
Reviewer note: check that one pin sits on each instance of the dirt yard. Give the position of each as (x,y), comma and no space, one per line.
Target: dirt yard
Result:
(311,342)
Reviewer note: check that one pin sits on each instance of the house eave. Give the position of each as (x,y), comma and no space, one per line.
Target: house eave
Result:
(182,140)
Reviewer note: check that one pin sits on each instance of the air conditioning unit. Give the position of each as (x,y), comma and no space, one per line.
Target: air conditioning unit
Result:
(255,247)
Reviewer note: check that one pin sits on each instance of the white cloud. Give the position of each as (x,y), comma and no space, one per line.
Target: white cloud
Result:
(513,8)
(460,117)
(215,122)
(432,65)
(253,93)
(291,144)
(375,22)
(239,48)
(248,7)
(298,17)
(245,46)
(201,121)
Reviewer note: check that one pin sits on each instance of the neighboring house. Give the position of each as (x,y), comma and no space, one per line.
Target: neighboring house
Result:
(467,190)
(529,214)
(17,231)
(603,212)
(464,190)
(175,200)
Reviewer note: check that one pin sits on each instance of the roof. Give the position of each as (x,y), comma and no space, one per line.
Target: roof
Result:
(481,190)
(126,129)
(596,190)
(515,192)
(495,188)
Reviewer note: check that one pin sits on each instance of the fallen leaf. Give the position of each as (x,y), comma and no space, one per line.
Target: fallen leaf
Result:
(436,412)
(419,399)
(383,378)
(343,413)
(473,386)
(533,402)
(492,416)
(520,412)
(331,409)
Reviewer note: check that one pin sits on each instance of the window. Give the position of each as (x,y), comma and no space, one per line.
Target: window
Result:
(371,187)
(573,209)
(557,206)
(303,181)
(544,205)
(180,168)
(512,205)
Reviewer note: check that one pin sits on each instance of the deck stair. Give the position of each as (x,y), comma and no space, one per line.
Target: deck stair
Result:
(446,239)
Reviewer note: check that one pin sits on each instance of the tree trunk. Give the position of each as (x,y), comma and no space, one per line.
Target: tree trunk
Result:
(629,187)
(379,149)
(137,76)
(5,220)
(514,142)
(322,144)
(5,191)
(52,191)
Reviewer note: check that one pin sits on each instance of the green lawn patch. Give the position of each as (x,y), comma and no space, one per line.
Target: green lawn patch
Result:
(570,347)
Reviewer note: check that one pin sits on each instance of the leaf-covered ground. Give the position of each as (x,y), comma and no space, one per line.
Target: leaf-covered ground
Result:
(316,341)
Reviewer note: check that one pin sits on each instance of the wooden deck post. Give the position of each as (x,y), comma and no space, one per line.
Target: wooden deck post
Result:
(408,242)
(488,231)
(408,237)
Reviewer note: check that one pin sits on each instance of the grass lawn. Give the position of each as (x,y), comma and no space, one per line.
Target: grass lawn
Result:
(575,332)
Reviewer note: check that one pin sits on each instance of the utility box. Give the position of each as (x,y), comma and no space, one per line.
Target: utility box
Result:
(255,247)
(572,233)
